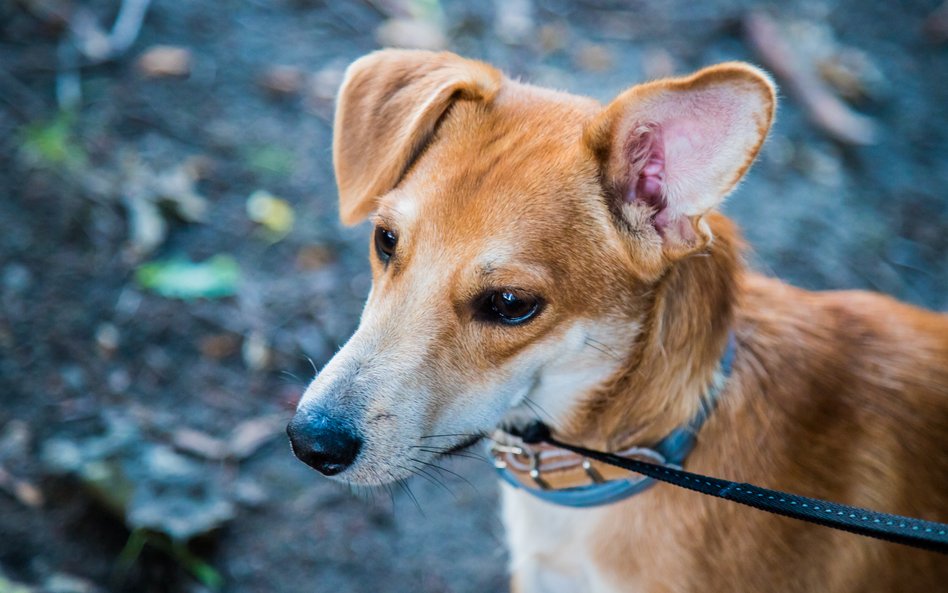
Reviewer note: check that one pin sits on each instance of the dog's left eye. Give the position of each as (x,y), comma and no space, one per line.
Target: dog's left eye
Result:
(385,242)
(510,307)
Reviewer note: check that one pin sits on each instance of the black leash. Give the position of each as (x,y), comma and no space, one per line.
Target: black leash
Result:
(918,533)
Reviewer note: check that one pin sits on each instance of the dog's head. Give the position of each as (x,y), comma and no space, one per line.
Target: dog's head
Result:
(517,235)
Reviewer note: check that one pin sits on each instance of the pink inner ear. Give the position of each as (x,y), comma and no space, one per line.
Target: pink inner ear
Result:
(648,182)
(685,145)
(647,167)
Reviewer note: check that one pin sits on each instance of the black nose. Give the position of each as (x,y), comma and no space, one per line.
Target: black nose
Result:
(324,445)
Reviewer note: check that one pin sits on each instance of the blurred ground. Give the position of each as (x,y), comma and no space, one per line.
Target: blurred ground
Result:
(121,408)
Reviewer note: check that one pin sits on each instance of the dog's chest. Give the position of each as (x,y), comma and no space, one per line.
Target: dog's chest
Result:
(554,549)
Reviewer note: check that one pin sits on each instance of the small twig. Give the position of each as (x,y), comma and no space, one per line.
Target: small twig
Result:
(91,42)
(24,492)
(825,109)
(128,24)
(95,44)
(68,80)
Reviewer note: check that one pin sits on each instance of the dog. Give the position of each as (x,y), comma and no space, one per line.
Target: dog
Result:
(539,253)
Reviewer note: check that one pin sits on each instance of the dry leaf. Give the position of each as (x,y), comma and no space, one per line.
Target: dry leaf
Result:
(594,58)
(256,351)
(162,61)
(250,435)
(411,33)
(282,80)
(24,492)
(199,443)
(276,215)
(219,346)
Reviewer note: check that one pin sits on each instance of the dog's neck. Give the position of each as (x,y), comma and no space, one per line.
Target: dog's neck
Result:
(671,366)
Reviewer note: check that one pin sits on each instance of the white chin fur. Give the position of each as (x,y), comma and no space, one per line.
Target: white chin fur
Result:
(546,386)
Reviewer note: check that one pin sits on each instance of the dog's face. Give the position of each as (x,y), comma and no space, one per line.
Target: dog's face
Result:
(517,234)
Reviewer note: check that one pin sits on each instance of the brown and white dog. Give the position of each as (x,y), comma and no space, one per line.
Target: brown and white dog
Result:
(538,250)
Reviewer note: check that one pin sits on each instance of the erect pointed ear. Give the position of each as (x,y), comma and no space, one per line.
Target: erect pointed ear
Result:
(671,150)
(387,110)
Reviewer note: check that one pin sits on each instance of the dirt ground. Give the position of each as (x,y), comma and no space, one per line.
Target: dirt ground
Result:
(156,158)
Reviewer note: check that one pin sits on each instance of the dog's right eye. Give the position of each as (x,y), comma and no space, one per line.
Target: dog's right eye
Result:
(509,307)
(385,242)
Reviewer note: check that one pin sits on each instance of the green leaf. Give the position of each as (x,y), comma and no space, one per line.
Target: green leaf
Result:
(206,574)
(214,278)
(129,555)
(52,142)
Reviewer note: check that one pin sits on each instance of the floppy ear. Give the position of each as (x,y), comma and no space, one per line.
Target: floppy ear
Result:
(387,110)
(671,150)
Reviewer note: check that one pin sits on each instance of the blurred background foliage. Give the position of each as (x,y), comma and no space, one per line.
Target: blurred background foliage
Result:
(172,270)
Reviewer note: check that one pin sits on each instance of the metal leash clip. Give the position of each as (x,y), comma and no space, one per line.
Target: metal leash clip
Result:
(498,451)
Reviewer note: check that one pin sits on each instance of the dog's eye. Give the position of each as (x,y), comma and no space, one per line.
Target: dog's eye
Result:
(511,307)
(385,242)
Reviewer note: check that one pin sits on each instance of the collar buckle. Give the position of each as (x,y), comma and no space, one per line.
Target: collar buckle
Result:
(553,474)
(592,472)
(535,473)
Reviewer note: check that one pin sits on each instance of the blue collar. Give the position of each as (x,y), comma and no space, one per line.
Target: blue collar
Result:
(671,450)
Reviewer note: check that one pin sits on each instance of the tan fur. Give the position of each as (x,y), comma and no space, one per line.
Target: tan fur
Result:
(384,126)
(489,184)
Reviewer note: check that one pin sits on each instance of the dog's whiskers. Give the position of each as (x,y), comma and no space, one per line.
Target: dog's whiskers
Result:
(313,364)
(456,434)
(391,495)
(449,452)
(421,472)
(288,376)
(537,409)
(403,484)
(445,470)
(601,347)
